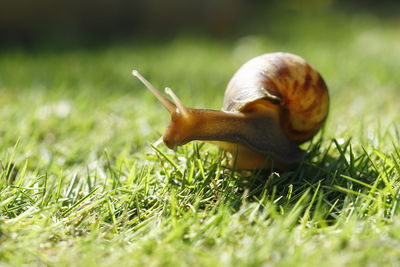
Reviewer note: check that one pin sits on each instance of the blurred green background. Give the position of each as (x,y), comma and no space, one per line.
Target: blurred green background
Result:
(28,22)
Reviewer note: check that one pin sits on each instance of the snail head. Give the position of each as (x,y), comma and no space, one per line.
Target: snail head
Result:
(182,119)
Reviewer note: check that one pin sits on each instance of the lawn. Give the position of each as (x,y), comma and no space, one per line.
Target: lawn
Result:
(81,184)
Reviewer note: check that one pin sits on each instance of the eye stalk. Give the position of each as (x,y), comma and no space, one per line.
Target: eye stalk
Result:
(180,121)
(180,108)
(164,101)
(172,106)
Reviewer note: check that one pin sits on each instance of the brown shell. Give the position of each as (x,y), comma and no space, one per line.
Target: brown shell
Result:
(288,82)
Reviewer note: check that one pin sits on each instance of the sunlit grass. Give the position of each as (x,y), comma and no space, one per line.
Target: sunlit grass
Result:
(80,183)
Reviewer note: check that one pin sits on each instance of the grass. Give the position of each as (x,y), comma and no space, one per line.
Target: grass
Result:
(81,185)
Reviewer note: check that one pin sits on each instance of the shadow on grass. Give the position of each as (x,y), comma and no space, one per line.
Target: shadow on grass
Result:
(334,171)
(333,175)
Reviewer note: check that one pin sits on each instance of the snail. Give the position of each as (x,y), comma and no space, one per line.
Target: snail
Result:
(272,104)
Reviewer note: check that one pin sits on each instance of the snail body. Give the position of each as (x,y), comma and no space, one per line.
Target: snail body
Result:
(272,104)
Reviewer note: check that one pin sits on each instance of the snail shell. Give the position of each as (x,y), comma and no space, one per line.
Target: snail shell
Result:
(297,90)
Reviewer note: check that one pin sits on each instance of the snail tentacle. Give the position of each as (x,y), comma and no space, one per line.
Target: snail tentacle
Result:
(165,101)
(179,105)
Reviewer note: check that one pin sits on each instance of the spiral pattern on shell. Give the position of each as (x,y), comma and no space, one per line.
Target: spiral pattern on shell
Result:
(288,83)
